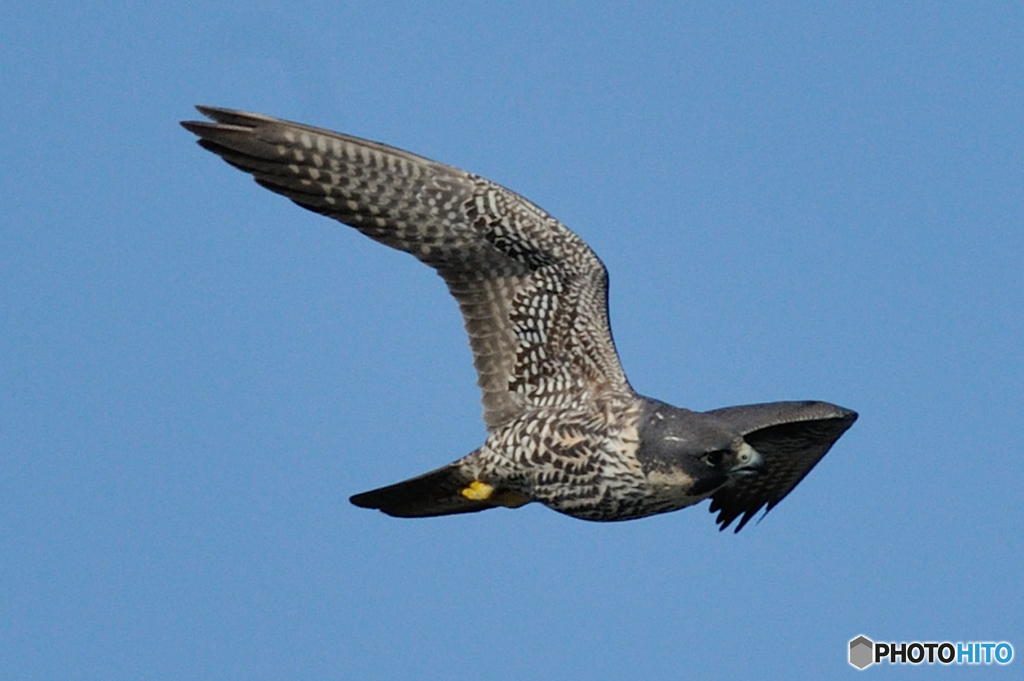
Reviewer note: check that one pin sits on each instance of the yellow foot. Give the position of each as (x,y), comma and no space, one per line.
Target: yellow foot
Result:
(478,491)
(481,491)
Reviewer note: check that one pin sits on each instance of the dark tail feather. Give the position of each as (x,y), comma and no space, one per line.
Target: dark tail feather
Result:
(431,494)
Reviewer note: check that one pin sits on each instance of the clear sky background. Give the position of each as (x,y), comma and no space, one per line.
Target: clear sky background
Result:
(793,202)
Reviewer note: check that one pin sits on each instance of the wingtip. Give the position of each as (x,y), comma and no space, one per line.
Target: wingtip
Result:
(228,116)
(198,127)
(221,118)
(724,523)
(208,110)
(363,500)
(195,127)
(839,413)
(847,414)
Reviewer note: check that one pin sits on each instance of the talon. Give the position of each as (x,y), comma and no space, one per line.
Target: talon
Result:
(477,491)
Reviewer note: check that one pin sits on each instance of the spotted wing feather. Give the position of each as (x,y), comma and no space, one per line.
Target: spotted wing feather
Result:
(791,437)
(532,294)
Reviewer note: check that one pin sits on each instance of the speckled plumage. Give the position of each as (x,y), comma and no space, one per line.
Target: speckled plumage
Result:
(564,426)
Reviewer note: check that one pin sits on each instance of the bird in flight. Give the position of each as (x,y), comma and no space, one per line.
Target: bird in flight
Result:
(564,426)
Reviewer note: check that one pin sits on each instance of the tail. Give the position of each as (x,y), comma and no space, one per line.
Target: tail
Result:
(446,491)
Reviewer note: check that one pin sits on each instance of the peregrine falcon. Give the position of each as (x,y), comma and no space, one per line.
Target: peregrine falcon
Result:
(564,426)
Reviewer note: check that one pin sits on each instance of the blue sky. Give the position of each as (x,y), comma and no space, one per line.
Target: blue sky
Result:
(793,201)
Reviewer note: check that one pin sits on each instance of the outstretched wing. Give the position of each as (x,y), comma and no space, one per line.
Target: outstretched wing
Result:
(791,437)
(533,295)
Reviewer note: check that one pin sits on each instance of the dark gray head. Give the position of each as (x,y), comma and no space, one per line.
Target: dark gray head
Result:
(694,451)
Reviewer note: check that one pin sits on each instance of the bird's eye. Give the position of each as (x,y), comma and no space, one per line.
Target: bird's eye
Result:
(713,459)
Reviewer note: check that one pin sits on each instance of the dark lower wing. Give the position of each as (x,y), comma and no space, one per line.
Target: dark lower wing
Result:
(431,494)
(792,437)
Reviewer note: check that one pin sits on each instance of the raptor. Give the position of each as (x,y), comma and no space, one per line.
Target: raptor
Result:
(564,426)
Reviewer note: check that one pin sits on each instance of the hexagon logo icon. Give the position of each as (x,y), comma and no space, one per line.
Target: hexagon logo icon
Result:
(862,652)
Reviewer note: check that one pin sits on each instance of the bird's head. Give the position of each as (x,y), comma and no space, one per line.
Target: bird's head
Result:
(691,451)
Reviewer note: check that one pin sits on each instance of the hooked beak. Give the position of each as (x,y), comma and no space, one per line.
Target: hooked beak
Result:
(748,462)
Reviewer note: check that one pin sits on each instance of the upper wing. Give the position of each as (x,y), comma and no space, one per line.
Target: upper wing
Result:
(792,437)
(533,296)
